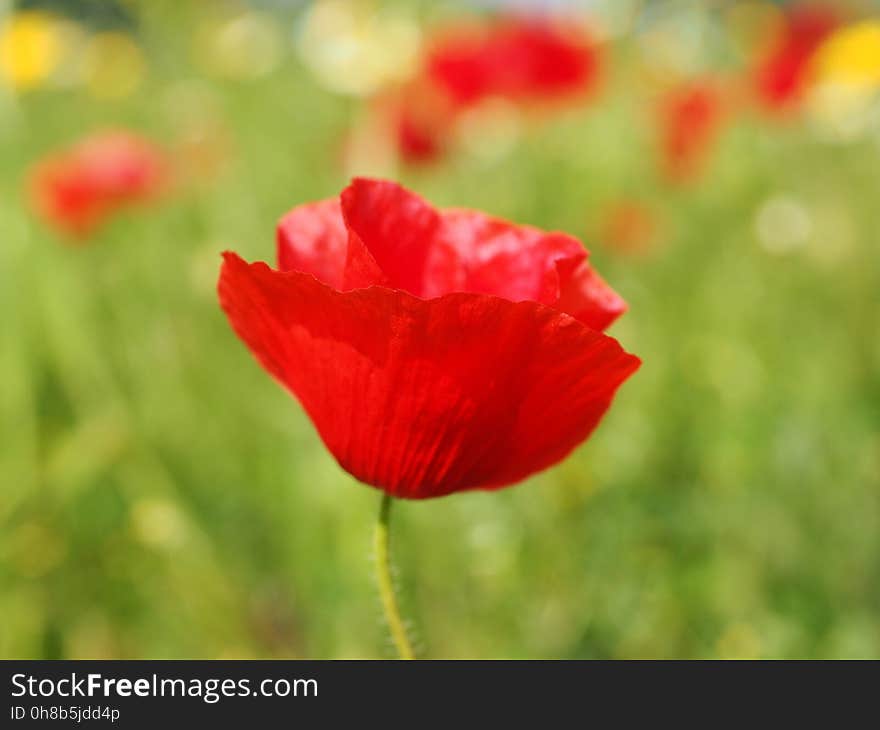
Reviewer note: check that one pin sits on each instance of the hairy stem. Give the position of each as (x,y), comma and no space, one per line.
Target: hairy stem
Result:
(386,583)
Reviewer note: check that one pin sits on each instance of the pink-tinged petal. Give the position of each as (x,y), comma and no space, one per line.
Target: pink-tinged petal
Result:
(422,398)
(313,238)
(587,297)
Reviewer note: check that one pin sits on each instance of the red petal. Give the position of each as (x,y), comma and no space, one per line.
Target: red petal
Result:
(586,296)
(510,261)
(427,397)
(313,238)
(394,229)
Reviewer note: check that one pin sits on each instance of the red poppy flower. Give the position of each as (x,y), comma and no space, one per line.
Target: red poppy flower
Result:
(690,118)
(434,351)
(77,189)
(782,76)
(518,59)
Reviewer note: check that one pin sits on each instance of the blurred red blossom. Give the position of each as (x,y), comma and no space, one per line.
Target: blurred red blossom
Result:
(628,226)
(435,351)
(690,117)
(521,59)
(526,61)
(77,189)
(420,121)
(417,140)
(782,74)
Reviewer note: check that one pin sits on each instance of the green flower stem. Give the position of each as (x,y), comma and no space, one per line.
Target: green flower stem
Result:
(386,584)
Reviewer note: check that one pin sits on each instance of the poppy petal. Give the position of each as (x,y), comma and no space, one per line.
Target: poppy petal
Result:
(510,261)
(586,296)
(313,238)
(426,397)
(395,227)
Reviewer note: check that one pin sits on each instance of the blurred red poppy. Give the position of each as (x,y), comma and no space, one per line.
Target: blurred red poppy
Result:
(783,74)
(75,190)
(521,59)
(629,226)
(421,122)
(416,141)
(434,351)
(690,118)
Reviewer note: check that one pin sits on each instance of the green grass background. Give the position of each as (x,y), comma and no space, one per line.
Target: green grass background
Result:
(161,496)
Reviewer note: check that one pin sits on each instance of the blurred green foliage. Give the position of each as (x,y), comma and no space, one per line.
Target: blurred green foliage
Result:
(160,496)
